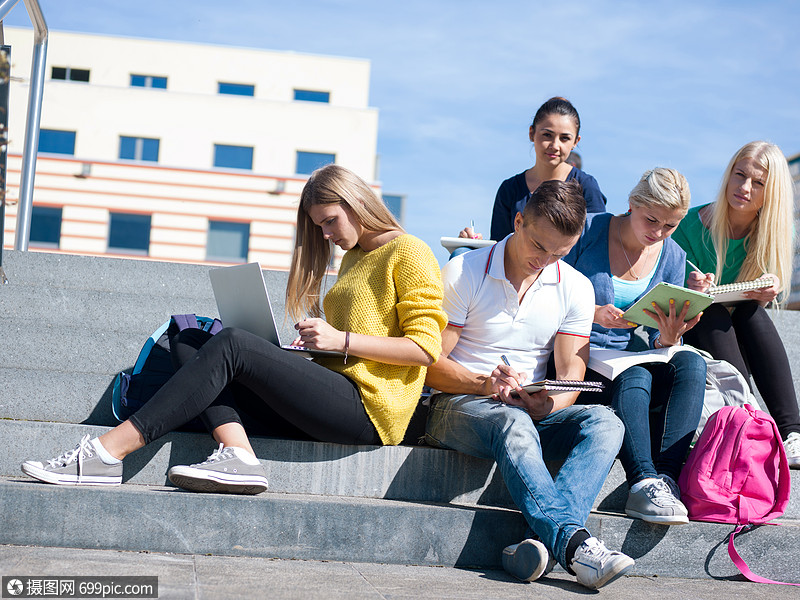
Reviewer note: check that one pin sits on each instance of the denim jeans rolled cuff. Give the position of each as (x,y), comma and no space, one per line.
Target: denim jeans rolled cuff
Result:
(585,438)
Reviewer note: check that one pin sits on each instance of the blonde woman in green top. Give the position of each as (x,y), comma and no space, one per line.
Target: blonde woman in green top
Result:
(746,233)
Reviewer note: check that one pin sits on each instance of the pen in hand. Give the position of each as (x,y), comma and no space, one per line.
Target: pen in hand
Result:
(694,266)
(709,278)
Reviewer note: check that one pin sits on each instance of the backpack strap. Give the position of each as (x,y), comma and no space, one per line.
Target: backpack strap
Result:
(185,321)
(742,566)
(214,328)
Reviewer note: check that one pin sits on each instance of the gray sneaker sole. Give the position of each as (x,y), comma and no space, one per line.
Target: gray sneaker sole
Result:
(658,519)
(611,577)
(66,479)
(528,561)
(210,482)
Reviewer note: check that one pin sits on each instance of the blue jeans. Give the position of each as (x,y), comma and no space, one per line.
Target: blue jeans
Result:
(586,438)
(657,442)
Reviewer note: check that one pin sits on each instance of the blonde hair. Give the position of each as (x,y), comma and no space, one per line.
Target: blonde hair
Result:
(663,188)
(312,254)
(770,240)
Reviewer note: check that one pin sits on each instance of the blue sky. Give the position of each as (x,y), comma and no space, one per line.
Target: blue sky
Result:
(677,84)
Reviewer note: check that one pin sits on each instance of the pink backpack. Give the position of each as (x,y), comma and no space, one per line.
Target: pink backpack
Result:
(737,473)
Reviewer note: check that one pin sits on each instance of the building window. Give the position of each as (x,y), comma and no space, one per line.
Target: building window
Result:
(233,157)
(236,89)
(150,81)
(312,96)
(69,74)
(45,226)
(133,148)
(228,241)
(396,205)
(308,162)
(56,141)
(129,233)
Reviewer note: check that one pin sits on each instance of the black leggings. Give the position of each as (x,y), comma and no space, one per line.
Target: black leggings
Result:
(746,337)
(236,374)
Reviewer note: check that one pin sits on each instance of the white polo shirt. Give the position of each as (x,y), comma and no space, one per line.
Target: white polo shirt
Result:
(479,299)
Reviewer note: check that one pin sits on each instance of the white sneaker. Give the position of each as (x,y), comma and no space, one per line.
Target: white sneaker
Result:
(792,446)
(595,565)
(528,560)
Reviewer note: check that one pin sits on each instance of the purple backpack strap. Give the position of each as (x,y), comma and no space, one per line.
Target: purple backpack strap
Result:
(185,321)
(216,327)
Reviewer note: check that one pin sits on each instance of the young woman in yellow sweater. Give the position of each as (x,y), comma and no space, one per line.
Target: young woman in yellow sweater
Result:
(384,313)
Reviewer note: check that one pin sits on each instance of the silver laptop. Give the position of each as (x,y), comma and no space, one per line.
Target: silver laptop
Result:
(243,302)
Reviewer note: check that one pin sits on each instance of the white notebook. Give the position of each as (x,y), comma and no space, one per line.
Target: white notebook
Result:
(451,243)
(734,292)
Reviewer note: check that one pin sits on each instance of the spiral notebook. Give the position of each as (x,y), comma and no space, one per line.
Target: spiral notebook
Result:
(559,385)
(734,292)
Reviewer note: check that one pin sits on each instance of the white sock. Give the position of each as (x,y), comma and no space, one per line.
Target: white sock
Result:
(103,453)
(640,484)
(245,456)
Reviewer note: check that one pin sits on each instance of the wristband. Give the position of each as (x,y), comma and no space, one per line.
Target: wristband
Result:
(346,345)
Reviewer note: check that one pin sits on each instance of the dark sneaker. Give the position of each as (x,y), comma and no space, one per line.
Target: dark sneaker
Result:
(222,472)
(80,466)
(595,565)
(655,503)
(528,560)
(674,489)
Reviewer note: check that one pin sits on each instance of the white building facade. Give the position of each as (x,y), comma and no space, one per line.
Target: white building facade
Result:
(179,151)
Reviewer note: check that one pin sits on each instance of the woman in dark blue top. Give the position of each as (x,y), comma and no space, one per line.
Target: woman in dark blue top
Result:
(555,132)
(660,403)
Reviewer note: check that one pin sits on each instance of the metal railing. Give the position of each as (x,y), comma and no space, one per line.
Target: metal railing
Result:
(35,96)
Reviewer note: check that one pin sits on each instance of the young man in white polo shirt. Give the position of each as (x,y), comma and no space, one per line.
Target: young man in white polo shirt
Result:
(510,307)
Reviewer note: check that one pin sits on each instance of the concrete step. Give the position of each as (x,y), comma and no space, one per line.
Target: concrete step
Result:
(71,323)
(408,473)
(160,519)
(70,286)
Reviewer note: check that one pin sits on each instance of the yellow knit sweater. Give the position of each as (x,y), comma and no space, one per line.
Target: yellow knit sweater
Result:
(392,291)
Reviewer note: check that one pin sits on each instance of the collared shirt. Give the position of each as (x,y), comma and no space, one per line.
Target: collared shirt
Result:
(479,298)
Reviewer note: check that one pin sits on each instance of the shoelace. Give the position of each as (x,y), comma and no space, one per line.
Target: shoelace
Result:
(660,489)
(673,487)
(83,449)
(597,551)
(219,454)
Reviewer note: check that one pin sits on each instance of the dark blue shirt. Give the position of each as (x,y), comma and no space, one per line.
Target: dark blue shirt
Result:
(512,195)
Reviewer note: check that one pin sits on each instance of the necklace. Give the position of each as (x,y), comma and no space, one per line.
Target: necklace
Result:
(625,254)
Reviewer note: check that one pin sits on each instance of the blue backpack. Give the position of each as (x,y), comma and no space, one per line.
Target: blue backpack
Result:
(153,366)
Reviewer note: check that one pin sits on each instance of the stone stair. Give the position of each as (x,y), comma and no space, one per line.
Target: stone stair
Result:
(70,323)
